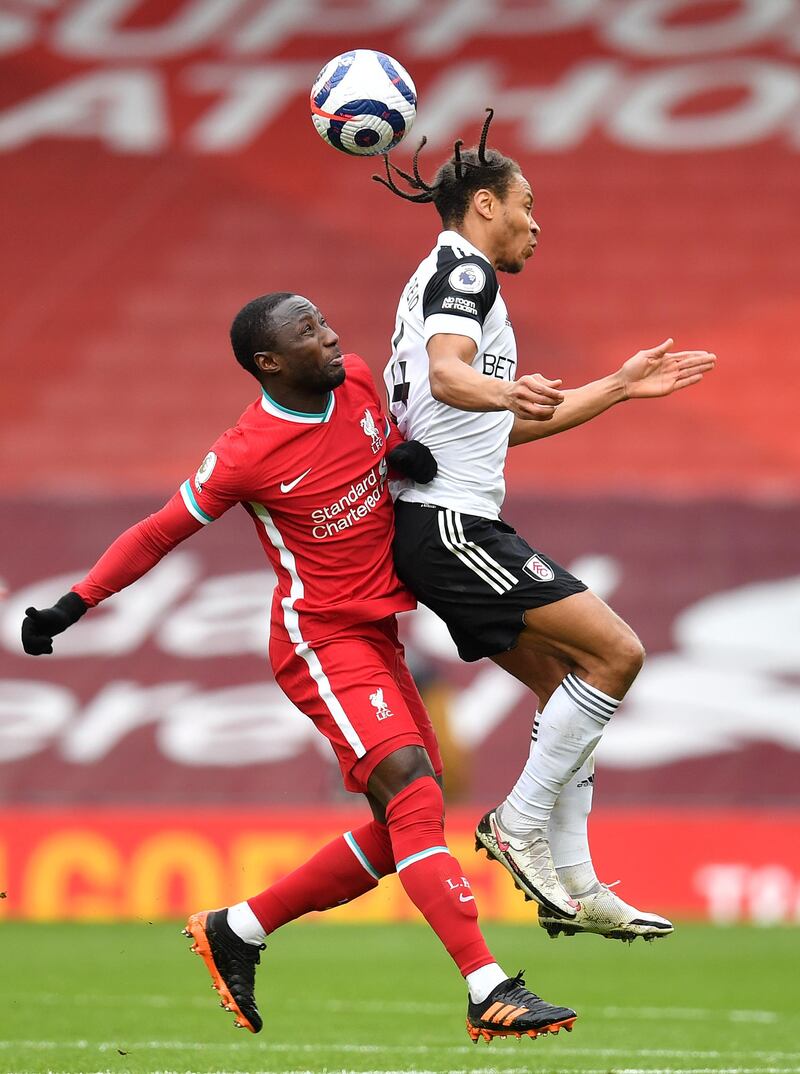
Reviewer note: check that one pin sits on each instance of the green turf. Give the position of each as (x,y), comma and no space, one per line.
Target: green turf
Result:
(372,998)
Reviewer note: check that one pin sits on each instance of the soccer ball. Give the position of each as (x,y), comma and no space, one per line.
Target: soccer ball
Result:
(363,103)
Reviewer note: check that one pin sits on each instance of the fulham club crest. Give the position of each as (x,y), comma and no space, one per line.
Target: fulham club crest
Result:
(539,570)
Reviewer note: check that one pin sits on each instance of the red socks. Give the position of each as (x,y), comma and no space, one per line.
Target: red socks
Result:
(344,869)
(431,876)
(353,863)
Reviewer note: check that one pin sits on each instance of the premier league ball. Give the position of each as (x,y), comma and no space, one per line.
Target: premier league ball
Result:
(363,103)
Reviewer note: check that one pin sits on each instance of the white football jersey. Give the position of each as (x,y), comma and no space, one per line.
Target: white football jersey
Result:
(454,291)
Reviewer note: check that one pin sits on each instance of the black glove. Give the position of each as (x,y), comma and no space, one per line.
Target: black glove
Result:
(412,459)
(39,627)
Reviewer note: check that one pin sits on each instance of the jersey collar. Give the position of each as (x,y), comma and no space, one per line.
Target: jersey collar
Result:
(282,412)
(453,239)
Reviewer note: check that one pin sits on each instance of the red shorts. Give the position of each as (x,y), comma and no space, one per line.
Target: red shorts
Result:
(357,689)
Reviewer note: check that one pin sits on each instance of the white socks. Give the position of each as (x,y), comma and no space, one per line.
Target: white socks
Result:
(567,832)
(481,982)
(569,729)
(245,924)
(579,880)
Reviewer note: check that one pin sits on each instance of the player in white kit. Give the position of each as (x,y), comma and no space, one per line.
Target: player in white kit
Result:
(452,384)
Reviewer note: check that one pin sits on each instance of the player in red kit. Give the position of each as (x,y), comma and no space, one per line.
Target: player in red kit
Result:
(308,461)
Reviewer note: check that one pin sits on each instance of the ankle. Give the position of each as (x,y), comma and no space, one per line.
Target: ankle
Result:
(482,982)
(579,879)
(244,925)
(519,825)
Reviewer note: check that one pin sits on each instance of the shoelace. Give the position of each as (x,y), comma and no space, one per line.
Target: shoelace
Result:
(518,992)
(608,887)
(539,855)
(536,851)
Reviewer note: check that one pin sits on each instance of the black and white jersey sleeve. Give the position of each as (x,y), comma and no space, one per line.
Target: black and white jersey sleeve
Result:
(453,291)
(459,296)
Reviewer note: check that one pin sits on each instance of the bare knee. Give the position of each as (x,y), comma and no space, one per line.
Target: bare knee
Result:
(395,772)
(616,664)
(626,656)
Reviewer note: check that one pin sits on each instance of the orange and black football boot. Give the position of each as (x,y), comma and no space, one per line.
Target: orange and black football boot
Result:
(231,962)
(510,1010)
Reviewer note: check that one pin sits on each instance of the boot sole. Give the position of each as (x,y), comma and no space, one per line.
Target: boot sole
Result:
(476,1032)
(196,929)
(555,928)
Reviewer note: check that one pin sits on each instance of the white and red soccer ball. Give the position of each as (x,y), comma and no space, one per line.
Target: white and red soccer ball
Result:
(363,102)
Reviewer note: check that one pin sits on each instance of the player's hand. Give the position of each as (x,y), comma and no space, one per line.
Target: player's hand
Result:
(660,371)
(40,626)
(412,459)
(534,397)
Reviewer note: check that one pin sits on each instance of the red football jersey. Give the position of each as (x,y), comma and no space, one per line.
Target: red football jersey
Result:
(316,488)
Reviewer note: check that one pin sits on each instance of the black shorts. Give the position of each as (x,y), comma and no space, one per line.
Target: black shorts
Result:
(477,574)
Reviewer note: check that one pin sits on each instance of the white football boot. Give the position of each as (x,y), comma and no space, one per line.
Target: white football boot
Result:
(608,915)
(531,866)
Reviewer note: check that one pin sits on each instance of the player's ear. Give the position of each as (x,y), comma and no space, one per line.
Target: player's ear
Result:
(267,361)
(483,202)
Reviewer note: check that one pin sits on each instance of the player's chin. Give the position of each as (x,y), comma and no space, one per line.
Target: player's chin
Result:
(512,265)
(335,375)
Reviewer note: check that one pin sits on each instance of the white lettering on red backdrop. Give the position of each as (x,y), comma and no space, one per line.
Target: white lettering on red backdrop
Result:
(241,90)
(732,680)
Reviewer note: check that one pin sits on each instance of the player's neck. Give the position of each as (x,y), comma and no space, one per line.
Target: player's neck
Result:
(298,402)
(476,237)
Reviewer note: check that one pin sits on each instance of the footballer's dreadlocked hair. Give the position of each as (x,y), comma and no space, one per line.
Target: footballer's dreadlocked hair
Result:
(457,179)
(253,329)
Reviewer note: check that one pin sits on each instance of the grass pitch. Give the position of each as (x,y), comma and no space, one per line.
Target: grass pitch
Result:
(79,999)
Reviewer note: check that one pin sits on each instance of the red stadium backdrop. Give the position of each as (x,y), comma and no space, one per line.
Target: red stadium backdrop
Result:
(159,168)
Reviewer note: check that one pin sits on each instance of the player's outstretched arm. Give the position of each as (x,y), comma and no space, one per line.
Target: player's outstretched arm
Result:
(130,556)
(454,382)
(649,374)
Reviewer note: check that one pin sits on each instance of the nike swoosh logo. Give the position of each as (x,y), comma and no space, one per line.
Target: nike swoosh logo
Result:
(287,486)
(501,844)
(466,898)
